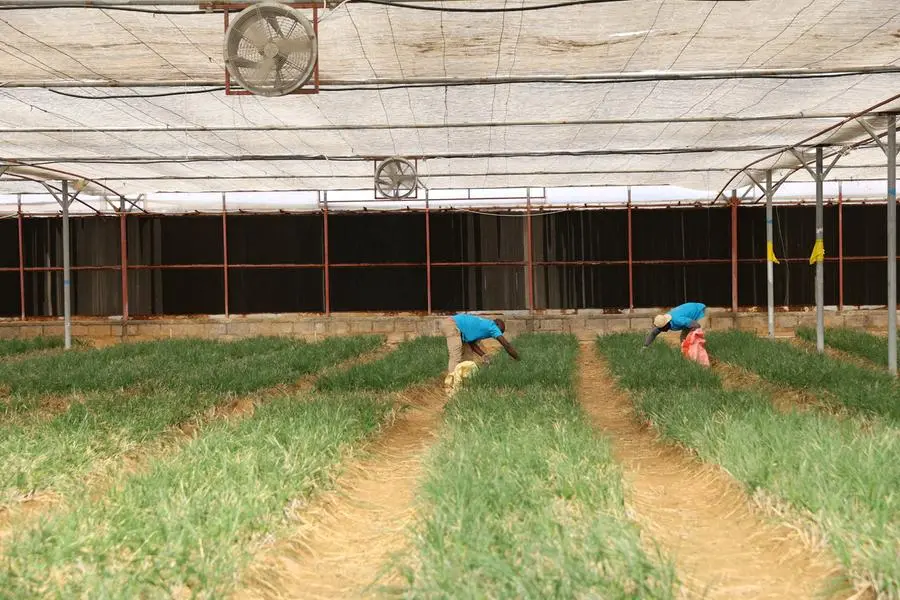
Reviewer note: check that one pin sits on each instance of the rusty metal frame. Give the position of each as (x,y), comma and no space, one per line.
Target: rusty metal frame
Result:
(528,263)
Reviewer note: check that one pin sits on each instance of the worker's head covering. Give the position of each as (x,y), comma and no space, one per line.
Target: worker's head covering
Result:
(660,321)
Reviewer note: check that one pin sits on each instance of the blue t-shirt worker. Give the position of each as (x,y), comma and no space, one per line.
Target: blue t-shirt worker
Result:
(463,332)
(684,318)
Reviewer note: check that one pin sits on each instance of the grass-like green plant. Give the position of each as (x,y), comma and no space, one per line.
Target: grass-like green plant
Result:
(852,341)
(56,453)
(859,390)
(187,525)
(654,367)
(829,473)
(546,360)
(412,362)
(14,347)
(522,499)
(181,365)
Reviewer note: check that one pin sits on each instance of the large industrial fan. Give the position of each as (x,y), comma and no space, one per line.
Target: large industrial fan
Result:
(271,49)
(396,178)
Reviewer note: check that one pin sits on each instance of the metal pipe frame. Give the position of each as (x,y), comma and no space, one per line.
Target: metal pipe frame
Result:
(734,251)
(325,254)
(427,253)
(871,110)
(891,151)
(820,267)
(770,266)
(67,267)
(529,258)
(443,175)
(123,246)
(151,159)
(840,246)
(630,256)
(225,251)
(414,126)
(528,262)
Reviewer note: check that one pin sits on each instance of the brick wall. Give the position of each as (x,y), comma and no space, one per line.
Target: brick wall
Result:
(585,324)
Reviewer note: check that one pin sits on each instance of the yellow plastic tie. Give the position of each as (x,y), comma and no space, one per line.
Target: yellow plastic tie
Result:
(770,253)
(818,253)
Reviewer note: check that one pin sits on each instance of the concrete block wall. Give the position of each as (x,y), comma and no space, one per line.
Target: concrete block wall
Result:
(585,324)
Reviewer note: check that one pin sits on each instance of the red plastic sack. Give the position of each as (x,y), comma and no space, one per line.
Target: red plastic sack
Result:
(694,347)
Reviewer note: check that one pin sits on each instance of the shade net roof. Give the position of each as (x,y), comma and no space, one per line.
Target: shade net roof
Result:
(682,93)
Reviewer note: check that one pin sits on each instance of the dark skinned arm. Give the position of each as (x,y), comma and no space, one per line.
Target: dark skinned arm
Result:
(651,336)
(508,347)
(476,348)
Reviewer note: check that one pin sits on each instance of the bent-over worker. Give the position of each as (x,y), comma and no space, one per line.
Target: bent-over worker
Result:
(684,318)
(469,330)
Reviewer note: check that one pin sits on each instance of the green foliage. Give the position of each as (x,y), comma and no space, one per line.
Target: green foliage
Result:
(828,471)
(14,347)
(56,453)
(655,367)
(853,341)
(546,359)
(190,521)
(179,364)
(524,500)
(414,361)
(861,390)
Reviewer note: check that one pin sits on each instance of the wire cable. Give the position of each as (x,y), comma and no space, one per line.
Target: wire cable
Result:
(530,81)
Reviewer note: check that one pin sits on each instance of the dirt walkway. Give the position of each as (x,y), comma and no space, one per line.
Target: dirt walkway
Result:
(699,515)
(346,537)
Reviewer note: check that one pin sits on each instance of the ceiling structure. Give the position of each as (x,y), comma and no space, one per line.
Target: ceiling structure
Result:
(127,95)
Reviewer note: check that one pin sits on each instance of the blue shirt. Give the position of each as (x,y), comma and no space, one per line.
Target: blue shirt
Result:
(475,328)
(683,315)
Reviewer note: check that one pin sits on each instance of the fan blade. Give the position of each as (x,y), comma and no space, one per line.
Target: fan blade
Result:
(290,46)
(407,180)
(241,62)
(256,34)
(279,79)
(273,23)
(262,71)
(390,169)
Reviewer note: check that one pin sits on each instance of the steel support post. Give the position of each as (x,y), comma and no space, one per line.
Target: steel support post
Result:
(770,266)
(325,266)
(892,242)
(428,251)
(734,251)
(21,257)
(820,264)
(630,257)
(840,247)
(123,263)
(67,267)
(529,251)
(225,252)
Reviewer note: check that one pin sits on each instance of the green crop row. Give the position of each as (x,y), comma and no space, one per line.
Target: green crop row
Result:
(522,499)
(413,362)
(853,341)
(56,453)
(829,474)
(845,385)
(179,365)
(14,347)
(187,525)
